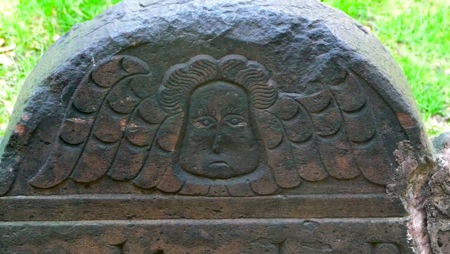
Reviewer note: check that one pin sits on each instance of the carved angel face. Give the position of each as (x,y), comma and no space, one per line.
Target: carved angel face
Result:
(200,136)
(219,141)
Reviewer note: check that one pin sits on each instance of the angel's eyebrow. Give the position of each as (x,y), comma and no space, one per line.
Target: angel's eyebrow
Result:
(233,110)
(206,111)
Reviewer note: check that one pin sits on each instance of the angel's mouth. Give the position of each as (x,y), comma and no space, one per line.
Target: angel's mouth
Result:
(219,169)
(219,164)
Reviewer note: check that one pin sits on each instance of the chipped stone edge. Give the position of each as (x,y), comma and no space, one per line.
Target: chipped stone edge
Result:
(411,185)
(439,198)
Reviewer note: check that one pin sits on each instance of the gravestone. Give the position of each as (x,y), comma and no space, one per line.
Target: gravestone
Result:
(207,127)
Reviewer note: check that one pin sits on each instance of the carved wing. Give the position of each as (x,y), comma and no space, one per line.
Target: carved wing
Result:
(109,126)
(328,130)
(115,126)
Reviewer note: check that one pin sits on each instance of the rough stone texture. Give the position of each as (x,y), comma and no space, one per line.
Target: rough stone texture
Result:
(276,236)
(438,205)
(209,127)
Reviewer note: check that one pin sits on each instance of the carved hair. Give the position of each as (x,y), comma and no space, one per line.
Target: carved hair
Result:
(182,79)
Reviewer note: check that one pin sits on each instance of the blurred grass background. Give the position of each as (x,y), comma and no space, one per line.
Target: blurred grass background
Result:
(27,29)
(417,33)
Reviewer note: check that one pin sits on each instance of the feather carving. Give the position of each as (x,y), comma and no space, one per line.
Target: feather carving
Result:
(122,124)
(94,123)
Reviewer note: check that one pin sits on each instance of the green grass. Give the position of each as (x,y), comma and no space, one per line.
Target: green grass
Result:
(27,29)
(416,32)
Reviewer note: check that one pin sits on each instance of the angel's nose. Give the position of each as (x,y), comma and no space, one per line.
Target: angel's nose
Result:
(216,147)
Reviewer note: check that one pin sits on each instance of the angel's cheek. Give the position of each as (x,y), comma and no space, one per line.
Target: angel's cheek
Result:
(242,150)
(195,148)
(221,152)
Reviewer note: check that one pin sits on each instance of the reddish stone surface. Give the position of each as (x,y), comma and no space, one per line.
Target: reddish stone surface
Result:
(209,127)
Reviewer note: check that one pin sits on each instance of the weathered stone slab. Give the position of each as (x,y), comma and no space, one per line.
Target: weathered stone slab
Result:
(209,127)
(209,236)
(122,207)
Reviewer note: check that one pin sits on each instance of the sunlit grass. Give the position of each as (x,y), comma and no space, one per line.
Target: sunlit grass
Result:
(27,29)
(416,32)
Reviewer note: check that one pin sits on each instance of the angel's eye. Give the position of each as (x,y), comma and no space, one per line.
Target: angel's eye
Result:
(236,121)
(204,122)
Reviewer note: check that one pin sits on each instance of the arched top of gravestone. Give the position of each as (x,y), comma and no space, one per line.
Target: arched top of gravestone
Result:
(240,98)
